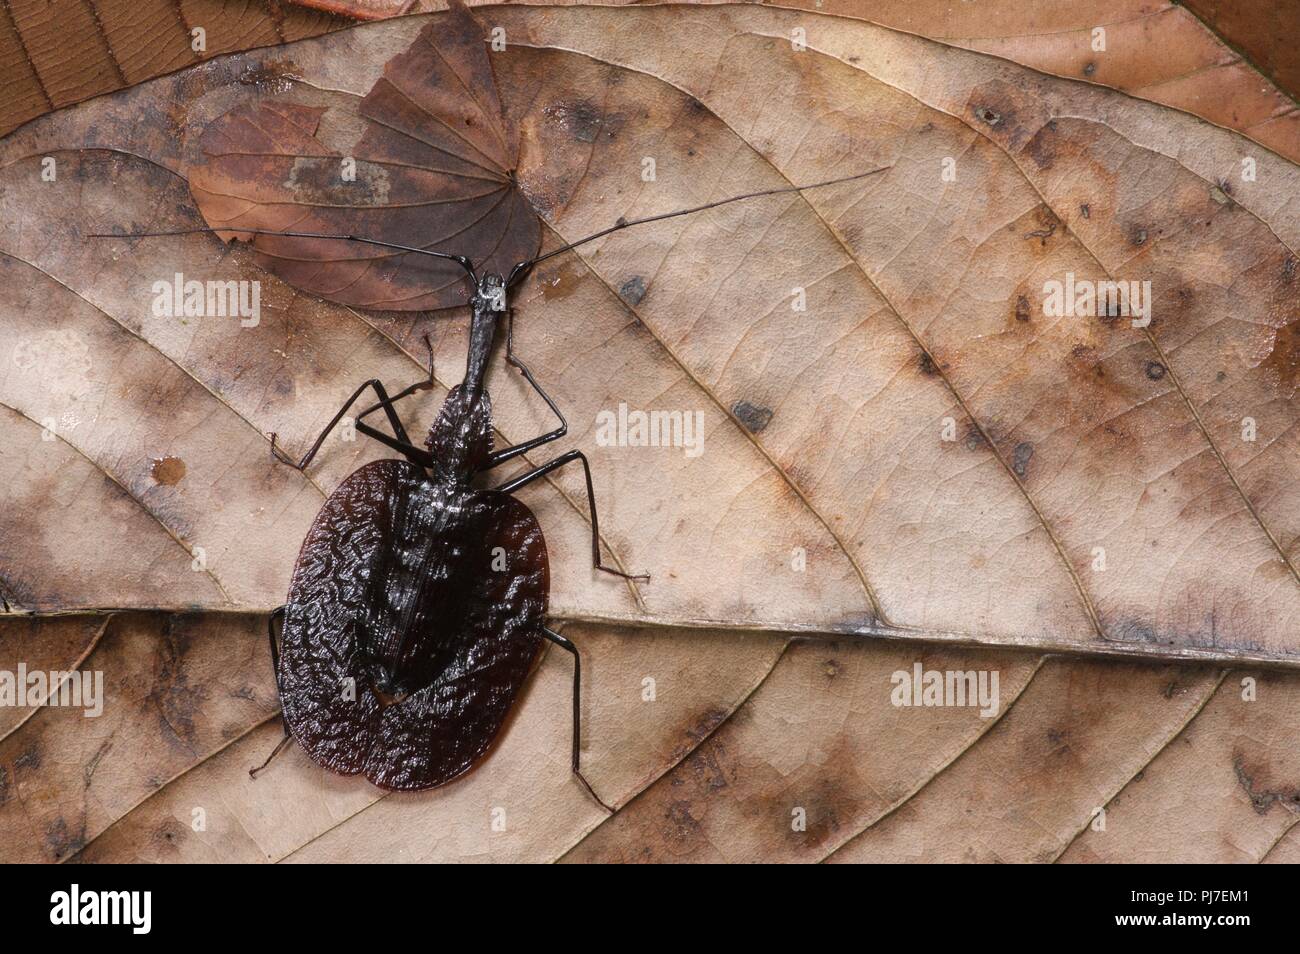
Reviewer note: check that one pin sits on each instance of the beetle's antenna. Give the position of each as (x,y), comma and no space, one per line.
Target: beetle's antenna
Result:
(460,260)
(522,267)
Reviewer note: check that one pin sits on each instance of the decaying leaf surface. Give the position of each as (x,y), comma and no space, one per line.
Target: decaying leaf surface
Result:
(714,766)
(174,691)
(57,52)
(1242,811)
(824,437)
(1183,55)
(1080,442)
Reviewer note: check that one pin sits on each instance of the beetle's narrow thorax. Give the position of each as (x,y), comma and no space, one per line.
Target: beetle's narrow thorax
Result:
(487,305)
(461,438)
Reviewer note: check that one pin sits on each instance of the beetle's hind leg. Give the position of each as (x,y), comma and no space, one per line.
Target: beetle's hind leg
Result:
(567,645)
(280,746)
(277,616)
(512,485)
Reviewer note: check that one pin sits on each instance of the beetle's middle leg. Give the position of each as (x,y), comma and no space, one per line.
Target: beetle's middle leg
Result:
(567,646)
(277,616)
(566,458)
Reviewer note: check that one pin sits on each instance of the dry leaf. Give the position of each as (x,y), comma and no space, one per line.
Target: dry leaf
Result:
(57,52)
(436,171)
(825,430)
(824,442)
(1184,768)
(1180,54)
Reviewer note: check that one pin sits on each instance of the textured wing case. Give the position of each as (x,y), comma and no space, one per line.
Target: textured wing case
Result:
(443,588)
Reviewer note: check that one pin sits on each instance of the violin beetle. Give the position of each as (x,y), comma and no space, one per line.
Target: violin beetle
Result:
(418,602)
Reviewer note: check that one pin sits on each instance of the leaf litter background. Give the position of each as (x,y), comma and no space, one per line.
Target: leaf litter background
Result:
(1074,434)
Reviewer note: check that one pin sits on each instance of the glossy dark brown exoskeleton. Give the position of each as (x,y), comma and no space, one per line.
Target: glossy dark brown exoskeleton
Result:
(418,603)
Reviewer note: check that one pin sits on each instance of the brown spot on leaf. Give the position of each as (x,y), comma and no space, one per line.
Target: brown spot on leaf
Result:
(167,470)
(559,282)
(1155,370)
(682,825)
(1282,366)
(580,119)
(1022,308)
(63,842)
(1262,798)
(30,759)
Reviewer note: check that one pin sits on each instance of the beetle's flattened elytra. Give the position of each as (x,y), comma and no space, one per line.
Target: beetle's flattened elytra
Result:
(395,594)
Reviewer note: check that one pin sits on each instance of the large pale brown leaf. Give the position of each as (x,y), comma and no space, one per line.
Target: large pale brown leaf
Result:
(1202,56)
(823,432)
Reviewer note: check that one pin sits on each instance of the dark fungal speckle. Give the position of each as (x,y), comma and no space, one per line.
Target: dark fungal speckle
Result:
(755,417)
(1022,308)
(581,120)
(1155,370)
(1020,458)
(632,291)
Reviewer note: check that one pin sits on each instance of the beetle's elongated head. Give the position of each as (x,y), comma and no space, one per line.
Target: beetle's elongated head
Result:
(490,294)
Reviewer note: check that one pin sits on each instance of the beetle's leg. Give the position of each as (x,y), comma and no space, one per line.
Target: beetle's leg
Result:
(403,443)
(252,773)
(277,616)
(509,453)
(566,458)
(424,384)
(567,646)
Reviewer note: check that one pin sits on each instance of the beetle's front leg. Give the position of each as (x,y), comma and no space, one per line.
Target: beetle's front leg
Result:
(402,443)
